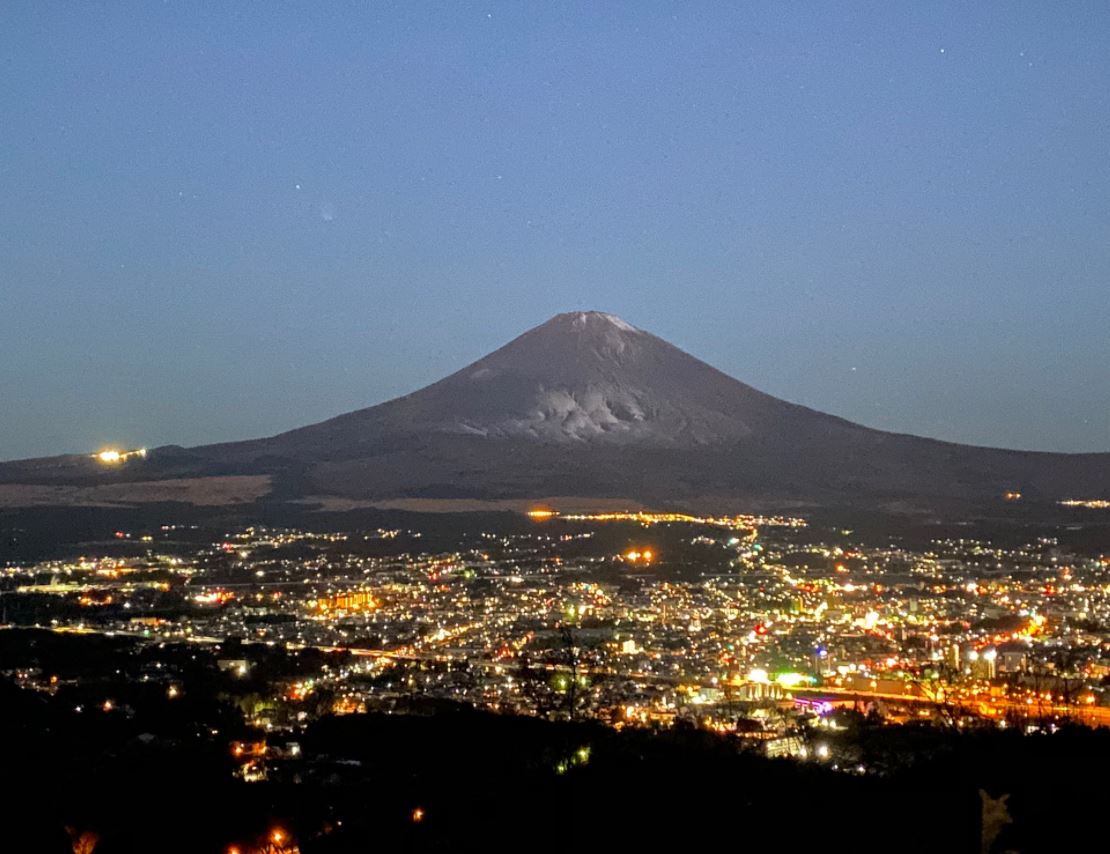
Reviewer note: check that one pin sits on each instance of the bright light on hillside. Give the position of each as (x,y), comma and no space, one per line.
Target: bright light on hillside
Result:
(112,456)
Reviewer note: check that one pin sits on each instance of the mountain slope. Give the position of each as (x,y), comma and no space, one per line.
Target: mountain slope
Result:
(587,404)
(580,378)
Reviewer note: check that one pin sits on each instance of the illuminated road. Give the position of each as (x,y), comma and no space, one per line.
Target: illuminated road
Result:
(991,707)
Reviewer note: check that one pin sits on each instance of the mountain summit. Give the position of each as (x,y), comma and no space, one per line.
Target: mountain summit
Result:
(582,377)
(589,405)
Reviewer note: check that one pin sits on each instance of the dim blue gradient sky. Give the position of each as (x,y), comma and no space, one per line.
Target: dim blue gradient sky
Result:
(222,220)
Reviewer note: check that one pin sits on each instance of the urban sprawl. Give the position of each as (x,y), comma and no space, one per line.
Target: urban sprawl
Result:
(763,628)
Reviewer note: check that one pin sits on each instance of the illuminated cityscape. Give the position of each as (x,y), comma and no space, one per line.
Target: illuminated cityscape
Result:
(757,627)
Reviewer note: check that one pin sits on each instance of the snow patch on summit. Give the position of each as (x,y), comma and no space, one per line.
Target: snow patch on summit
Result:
(583,318)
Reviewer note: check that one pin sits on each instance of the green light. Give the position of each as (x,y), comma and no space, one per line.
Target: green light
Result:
(791,680)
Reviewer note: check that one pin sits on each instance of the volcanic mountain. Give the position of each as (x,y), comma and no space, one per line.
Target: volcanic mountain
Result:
(588,405)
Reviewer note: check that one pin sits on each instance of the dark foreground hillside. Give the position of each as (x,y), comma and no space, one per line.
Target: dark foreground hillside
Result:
(457,780)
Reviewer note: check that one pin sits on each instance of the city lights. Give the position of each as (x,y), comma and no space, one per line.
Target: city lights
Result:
(555,622)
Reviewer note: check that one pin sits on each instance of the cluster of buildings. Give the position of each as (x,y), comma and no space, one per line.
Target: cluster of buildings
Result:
(738,623)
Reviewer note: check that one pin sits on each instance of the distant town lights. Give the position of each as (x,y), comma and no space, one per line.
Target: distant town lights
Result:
(1086,503)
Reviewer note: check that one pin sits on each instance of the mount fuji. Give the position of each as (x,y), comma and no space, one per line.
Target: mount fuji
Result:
(588,405)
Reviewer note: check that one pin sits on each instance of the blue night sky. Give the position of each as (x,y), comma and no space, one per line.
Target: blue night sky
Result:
(224,220)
